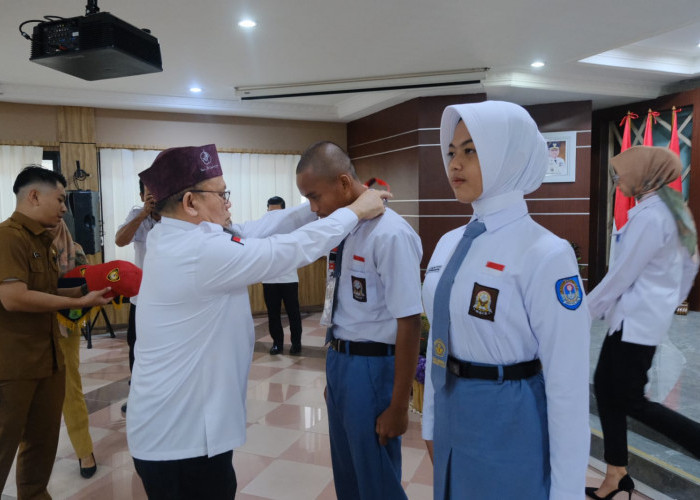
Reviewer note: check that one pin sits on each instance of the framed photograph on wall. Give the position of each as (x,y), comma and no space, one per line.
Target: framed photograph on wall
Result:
(561,147)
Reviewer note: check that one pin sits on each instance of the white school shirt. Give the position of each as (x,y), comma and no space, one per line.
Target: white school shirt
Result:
(379,280)
(196,335)
(139,239)
(650,275)
(525,263)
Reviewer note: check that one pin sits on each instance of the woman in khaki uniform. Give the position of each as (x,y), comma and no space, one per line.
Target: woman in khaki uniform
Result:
(75,413)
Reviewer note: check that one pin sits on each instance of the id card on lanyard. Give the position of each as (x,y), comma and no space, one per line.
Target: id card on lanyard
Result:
(331,282)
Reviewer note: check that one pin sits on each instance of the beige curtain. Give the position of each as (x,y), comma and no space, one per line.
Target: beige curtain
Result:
(12,160)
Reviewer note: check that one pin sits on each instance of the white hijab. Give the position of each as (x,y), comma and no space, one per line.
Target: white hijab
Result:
(512,152)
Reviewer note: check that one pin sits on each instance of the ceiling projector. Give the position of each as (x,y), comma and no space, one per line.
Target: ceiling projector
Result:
(96,46)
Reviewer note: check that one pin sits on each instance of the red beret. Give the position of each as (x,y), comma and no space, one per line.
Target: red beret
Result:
(177,169)
(123,276)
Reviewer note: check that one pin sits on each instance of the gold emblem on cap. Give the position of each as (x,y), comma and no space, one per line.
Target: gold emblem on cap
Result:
(113,275)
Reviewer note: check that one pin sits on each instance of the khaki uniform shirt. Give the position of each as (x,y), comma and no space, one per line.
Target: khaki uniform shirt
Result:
(28,341)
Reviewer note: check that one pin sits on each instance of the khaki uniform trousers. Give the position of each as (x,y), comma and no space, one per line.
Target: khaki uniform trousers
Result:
(75,412)
(30,419)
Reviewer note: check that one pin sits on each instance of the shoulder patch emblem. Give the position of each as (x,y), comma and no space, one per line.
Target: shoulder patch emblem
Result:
(568,292)
(483,303)
(237,239)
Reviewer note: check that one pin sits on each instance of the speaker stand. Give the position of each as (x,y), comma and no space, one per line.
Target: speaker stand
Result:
(87,331)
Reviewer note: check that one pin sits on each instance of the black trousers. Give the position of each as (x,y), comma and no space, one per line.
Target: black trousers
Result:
(131,335)
(206,478)
(274,294)
(619,383)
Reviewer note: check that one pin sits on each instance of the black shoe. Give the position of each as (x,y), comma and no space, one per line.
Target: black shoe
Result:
(626,484)
(276,350)
(124,409)
(87,472)
(295,350)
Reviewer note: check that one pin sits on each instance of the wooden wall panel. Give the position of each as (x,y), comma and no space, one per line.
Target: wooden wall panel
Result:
(28,125)
(563,208)
(86,154)
(399,170)
(76,124)
(158,130)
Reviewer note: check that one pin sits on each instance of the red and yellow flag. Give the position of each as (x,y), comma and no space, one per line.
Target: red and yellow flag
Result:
(674,146)
(648,138)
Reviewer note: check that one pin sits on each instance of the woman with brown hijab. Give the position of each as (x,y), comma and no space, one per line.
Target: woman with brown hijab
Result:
(655,263)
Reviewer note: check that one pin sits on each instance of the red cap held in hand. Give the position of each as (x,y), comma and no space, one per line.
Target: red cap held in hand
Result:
(122,276)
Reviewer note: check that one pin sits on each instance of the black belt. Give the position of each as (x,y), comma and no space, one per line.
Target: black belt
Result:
(363,348)
(518,371)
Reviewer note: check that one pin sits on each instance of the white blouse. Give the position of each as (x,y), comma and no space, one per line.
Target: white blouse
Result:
(536,309)
(650,275)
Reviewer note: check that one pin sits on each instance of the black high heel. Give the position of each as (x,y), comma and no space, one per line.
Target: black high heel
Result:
(626,484)
(88,472)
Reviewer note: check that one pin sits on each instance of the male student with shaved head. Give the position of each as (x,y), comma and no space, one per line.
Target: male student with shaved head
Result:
(374,331)
(196,336)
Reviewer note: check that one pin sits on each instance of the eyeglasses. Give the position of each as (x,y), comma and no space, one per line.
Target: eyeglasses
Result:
(224,195)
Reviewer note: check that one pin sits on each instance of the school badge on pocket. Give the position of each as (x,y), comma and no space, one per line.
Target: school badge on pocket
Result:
(359,289)
(483,303)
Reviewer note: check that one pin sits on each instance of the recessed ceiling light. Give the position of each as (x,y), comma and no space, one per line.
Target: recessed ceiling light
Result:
(247,23)
(698,44)
(195,90)
(537,64)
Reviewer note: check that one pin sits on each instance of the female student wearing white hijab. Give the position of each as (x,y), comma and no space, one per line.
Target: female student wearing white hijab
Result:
(654,267)
(506,393)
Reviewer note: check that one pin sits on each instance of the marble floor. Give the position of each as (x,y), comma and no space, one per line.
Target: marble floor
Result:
(287,436)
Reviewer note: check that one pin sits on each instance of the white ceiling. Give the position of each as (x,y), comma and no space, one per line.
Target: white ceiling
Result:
(321,40)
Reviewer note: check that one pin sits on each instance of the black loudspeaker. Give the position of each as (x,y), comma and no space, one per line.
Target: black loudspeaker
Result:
(85,208)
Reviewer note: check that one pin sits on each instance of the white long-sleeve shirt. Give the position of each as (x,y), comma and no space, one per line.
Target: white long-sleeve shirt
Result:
(650,275)
(529,267)
(196,335)
(139,239)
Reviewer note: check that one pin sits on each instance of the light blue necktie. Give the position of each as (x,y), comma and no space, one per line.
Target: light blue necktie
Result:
(336,275)
(441,305)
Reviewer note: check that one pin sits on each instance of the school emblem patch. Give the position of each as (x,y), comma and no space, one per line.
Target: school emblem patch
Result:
(483,303)
(568,292)
(359,289)
(113,275)
(439,351)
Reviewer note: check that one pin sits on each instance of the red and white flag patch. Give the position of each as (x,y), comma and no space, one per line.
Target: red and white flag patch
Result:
(495,265)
